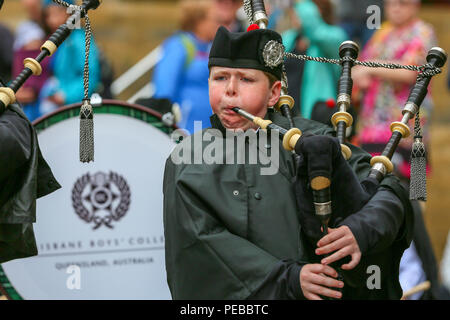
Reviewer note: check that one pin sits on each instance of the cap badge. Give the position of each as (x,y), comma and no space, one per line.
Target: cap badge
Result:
(273,54)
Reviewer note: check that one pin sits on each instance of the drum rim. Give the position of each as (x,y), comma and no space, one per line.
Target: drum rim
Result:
(104,102)
(75,106)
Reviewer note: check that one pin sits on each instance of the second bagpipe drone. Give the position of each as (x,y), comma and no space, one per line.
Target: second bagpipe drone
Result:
(330,191)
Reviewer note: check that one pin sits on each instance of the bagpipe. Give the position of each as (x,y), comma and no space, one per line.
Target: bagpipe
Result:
(327,189)
(32,66)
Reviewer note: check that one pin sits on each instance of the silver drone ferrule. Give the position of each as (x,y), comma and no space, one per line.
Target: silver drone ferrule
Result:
(380,168)
(261,19)
(323,209)
(410,108)
(406,117)
(343,102)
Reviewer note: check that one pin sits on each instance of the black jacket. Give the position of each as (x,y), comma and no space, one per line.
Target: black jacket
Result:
(24,177)
(232,233)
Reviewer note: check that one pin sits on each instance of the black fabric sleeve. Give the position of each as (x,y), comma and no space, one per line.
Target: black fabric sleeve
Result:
(386,217)
(205,260)
(15,143)
(283,283)
(377,225)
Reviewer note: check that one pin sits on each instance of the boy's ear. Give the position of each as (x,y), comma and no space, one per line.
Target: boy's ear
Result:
(275,93)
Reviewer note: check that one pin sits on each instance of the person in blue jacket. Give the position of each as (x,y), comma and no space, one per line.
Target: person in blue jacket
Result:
(67,63)
(182,73)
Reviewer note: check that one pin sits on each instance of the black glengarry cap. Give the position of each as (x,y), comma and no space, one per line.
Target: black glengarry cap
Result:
(243,50)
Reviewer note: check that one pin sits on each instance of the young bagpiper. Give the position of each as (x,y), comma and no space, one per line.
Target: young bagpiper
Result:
(233,232)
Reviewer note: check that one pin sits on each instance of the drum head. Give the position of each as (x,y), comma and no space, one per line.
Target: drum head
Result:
(101,235)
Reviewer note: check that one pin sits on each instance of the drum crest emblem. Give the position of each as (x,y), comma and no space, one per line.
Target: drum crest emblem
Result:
(101,198)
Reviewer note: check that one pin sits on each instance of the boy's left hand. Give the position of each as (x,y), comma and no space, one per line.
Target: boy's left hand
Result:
(342,242)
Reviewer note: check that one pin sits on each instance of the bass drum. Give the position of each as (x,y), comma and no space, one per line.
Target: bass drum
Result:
(101,235)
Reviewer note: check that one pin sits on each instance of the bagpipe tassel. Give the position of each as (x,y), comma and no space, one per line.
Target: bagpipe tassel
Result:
(86,132)
(418,183)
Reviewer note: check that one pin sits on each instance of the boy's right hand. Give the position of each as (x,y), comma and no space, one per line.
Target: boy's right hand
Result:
(317,279)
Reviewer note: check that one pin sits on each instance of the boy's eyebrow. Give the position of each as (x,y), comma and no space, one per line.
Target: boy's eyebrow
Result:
(226,72)
(220,72)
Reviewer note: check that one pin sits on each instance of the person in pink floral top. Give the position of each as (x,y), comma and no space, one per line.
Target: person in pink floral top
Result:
(405,39)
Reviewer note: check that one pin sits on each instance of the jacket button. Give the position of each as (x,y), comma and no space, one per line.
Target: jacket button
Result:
(258,196)
(236,192)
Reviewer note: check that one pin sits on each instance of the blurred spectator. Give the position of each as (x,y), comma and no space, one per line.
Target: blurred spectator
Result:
(182,74)
(106,76)
(404,39)
(314,35)
(277,12)
(33,9)
(5,68)
(419,263)
(352,17)
(6,52)
(226,11)
(29,38)
(67,63)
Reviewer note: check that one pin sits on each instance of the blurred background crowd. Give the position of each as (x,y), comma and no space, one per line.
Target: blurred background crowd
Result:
(148,52)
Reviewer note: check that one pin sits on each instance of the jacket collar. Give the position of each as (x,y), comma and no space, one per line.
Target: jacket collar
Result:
(217,124)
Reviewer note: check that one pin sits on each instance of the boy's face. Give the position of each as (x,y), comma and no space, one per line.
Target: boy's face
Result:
(245,88)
